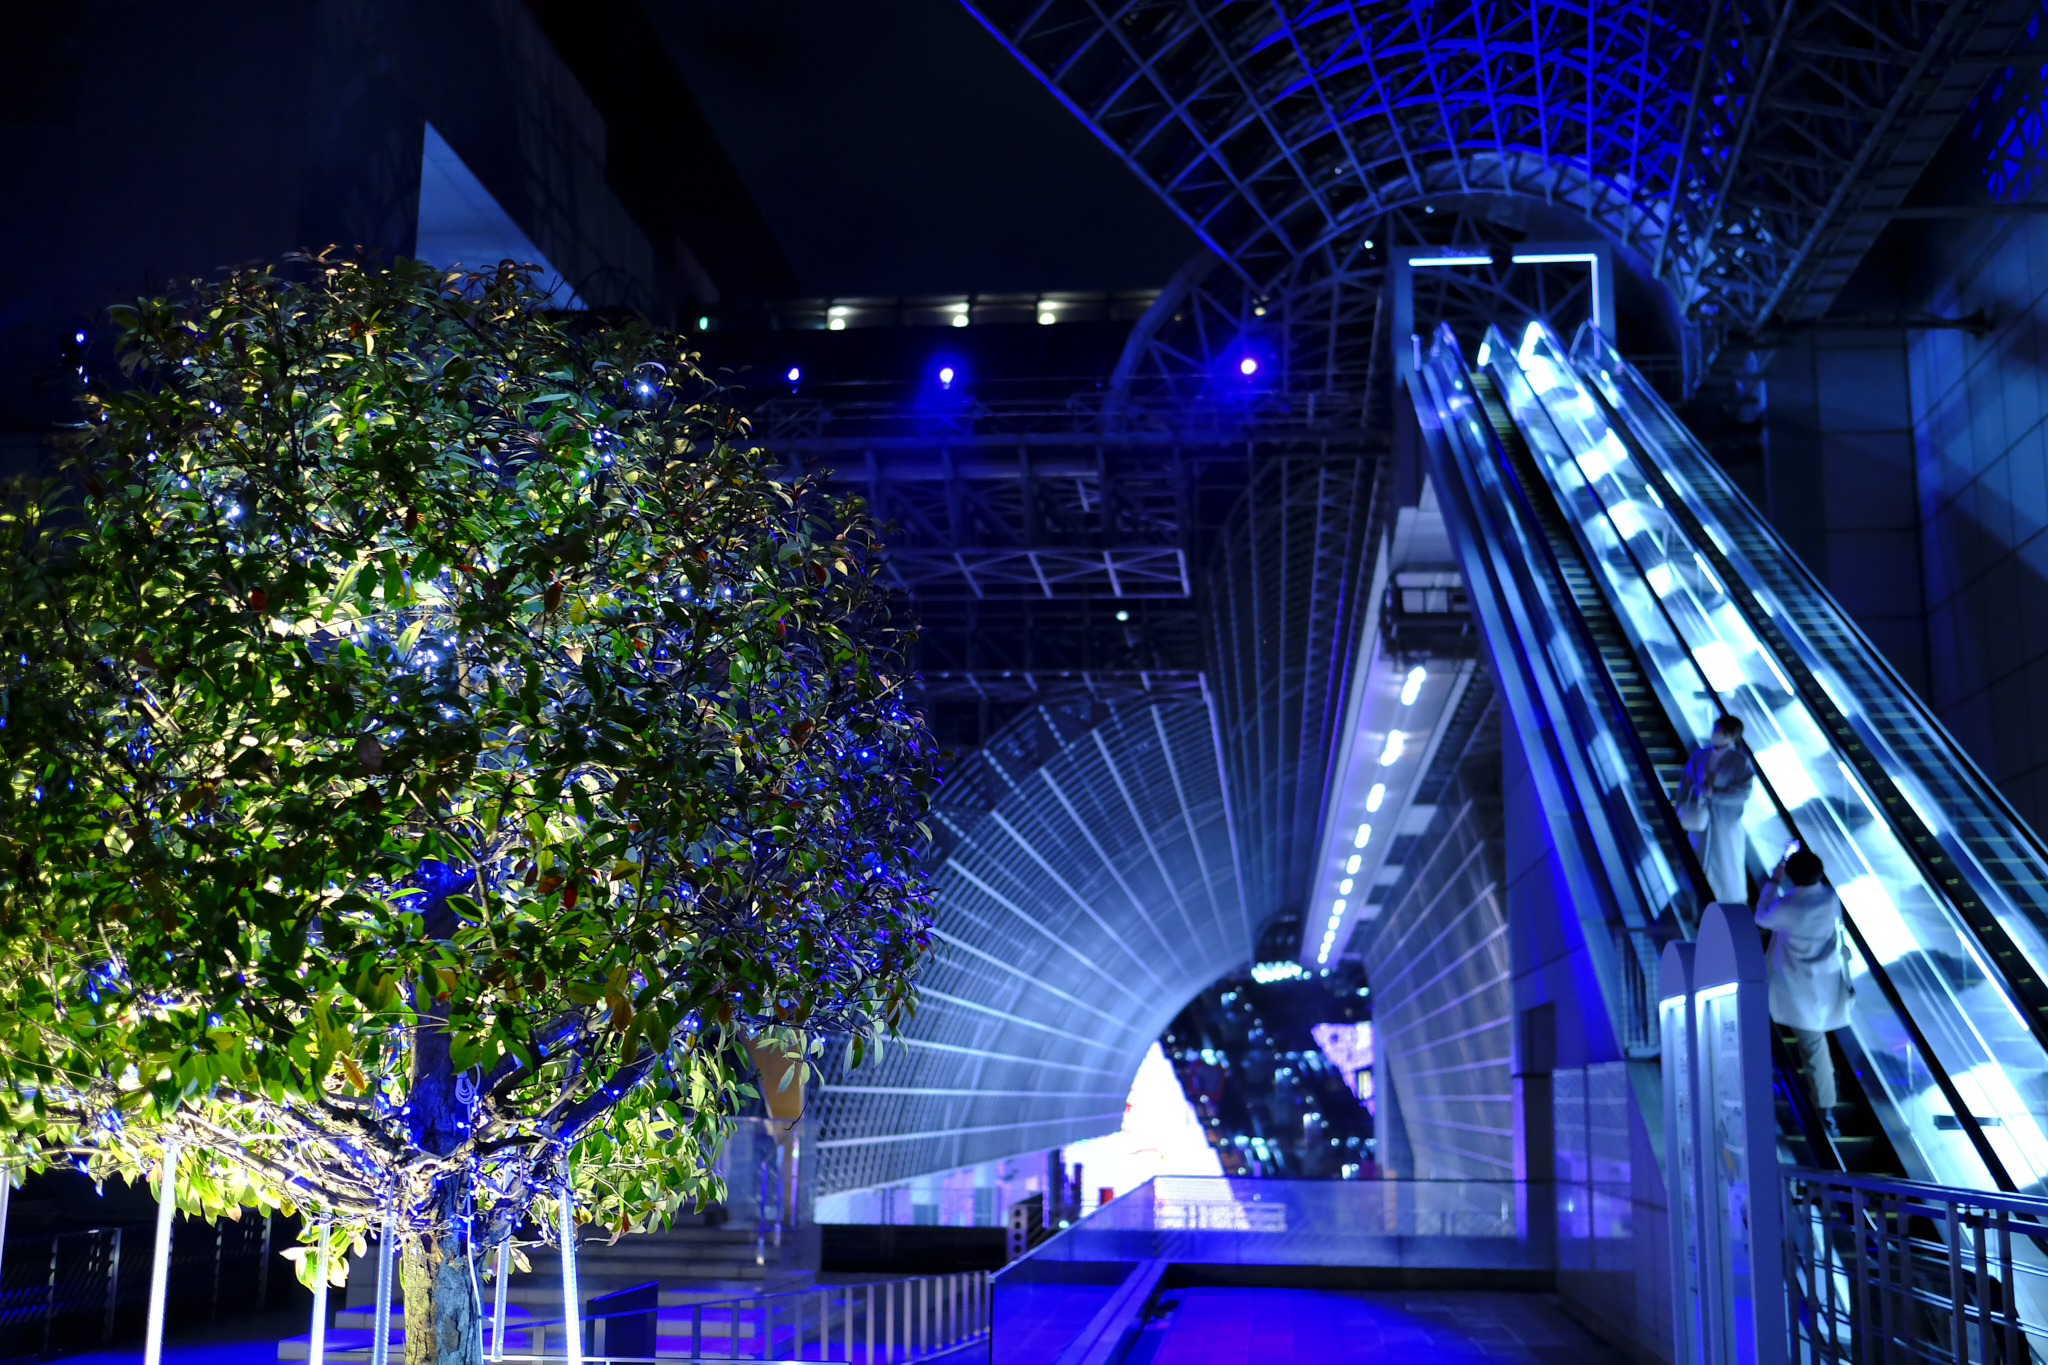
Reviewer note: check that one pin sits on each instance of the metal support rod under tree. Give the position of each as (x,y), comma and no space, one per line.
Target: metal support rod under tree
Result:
(380,1318)
(316,1347)
(160,1266)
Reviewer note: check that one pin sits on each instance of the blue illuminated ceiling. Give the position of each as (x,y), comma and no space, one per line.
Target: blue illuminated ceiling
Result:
(1748,153)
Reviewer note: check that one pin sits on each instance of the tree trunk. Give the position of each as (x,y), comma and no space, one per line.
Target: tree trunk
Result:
(439,1280)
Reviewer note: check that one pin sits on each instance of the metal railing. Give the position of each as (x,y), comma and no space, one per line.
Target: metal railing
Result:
(1882,1271)
(887,1322)
(71,1290)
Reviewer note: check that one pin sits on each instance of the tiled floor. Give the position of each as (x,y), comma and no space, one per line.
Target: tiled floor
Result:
(1331,1327)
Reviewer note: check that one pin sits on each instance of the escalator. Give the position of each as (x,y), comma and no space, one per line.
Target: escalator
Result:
(1631,595)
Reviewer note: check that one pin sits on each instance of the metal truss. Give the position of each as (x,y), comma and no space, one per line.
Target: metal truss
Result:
(1088,887)
(1747,152)
(1286,622)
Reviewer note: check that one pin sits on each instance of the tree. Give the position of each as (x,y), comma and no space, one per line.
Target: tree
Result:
(436,746)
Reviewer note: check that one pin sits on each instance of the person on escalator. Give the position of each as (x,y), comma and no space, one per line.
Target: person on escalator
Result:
(1711,794)
(1807,967)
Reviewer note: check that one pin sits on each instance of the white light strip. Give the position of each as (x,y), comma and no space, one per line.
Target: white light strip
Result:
(1421,261)
(1553,257)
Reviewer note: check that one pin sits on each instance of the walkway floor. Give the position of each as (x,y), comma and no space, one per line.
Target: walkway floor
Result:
(1332,1327)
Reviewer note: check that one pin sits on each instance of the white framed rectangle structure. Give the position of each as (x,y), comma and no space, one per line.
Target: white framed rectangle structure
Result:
(1598,256)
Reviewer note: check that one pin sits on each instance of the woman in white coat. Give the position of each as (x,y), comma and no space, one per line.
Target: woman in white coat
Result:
(1807,968)
(1716,784)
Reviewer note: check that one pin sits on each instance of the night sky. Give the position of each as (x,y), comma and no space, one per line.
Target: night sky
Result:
(900,149)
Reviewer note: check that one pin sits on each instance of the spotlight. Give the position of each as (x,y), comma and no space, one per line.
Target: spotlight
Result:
(1123,616)
(79,338)
(959,319)
(1368,244)
(946,373)
(795,374)
(1375,796)
(1410,690)
(1396,741)
(1248,367)
(836,325)
(703,324)
(1364,833)
(1046,317)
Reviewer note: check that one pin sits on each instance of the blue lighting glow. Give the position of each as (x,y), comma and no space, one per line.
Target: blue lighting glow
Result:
(1248,367)
(946,376)
(795,374)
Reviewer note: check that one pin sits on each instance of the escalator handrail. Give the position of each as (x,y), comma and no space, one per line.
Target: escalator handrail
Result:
(1869,656)
(1686,859)
(1966,1118)
(2028,996)
(1421,397)
(1678,846)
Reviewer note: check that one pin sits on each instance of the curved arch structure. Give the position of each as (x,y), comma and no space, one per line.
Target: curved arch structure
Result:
(1104,859)
(1088,887)
(1750,151)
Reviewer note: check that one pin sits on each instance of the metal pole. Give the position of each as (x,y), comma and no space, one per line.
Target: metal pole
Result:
(572,1303)
(380,1317)
(113,1283)
(498,1308)
(317,1348)
(160,1268)
(6,1188)
(870,1357)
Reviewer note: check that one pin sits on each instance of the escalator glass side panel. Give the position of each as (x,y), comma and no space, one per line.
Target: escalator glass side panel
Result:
(1527,609)
(1907,925)
(1906,757)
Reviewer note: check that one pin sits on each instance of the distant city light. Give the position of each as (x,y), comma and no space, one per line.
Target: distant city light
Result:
(1377,795)
(1266,973)
(1396,741)
(1248,366)
(946,376)
(1410,689)
(795,374)
(1364,833)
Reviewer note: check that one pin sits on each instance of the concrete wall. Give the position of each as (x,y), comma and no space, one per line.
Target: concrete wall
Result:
(1437,960)
(1580,1106)
(1839,457)
(141,144)
(1982,455)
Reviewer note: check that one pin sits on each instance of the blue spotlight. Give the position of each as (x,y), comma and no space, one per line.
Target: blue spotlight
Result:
(1248,367)
(946,376)
(795,374)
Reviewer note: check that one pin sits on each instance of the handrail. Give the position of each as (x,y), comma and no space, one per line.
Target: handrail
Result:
(1816,698)
(1599,694)
(1678,845)
(2034,1206)
(2028,995)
